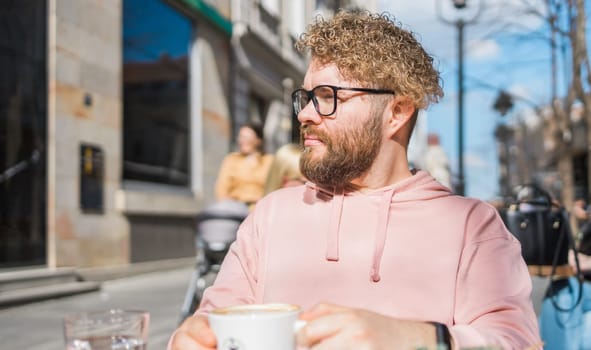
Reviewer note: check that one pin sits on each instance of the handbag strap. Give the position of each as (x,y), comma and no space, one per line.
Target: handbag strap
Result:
(566,231)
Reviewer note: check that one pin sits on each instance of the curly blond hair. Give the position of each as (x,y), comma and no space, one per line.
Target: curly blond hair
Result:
(374,50)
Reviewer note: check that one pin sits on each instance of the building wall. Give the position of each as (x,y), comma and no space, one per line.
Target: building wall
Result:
(162,217)
(215,57)
(84,107)
(139,221)
(142,221)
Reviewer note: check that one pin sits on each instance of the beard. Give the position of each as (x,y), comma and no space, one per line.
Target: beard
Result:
(348,155)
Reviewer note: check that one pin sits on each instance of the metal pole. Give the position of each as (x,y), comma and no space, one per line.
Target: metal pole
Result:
(460,188)
(460,23)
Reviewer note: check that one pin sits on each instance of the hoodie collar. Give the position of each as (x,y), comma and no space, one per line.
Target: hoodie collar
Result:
(337,197)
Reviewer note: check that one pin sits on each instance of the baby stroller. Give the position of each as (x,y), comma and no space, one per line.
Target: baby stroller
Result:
(215,230)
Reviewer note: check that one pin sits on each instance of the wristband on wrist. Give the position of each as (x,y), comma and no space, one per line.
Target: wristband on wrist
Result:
(442,335)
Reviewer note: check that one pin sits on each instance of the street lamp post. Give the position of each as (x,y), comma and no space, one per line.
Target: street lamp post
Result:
(460,23)
(461,183)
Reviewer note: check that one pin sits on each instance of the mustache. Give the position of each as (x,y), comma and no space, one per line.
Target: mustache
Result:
(307,130)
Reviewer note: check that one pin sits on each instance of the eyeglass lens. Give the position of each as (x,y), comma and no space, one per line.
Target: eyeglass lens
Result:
(323,97)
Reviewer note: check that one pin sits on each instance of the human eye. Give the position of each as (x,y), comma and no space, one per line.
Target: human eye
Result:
(324,93)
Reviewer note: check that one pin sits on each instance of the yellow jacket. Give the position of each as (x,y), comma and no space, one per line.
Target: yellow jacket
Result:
(243,177)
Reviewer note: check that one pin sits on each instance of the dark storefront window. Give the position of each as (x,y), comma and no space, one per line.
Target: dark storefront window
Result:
(23,107)
(156,41)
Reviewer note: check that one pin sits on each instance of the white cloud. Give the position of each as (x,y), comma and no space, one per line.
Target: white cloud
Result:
(483,49)
(520,90)
(474,160)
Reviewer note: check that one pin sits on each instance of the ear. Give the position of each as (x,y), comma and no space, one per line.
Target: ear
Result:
(400,112)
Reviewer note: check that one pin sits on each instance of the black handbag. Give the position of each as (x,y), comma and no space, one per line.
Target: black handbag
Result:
(540,226)
(543,229)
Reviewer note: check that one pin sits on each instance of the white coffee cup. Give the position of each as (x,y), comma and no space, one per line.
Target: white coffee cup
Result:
(256,326)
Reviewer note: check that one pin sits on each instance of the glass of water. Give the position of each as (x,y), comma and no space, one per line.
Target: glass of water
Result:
(107,330)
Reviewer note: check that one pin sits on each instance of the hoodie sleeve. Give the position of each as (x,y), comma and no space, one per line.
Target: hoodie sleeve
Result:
(236,281)
(493,298)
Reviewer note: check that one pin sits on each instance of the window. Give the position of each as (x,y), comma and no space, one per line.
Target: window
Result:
(156,41)
(23,129)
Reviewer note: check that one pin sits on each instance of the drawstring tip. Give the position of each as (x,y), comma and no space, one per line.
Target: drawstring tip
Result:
(375,276)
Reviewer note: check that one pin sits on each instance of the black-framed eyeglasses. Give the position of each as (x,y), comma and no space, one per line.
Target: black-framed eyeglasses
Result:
(324,98)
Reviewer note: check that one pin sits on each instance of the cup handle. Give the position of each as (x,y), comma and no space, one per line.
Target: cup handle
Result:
(299,324)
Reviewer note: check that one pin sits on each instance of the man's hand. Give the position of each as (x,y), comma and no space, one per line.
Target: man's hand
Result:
(193,334)
(336,327)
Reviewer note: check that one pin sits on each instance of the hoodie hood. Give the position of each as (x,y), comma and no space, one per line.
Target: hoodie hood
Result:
(421,186)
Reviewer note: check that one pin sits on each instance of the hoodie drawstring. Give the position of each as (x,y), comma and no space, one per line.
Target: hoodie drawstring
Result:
(332,239)
(380,237)
(421,184)
(332,243)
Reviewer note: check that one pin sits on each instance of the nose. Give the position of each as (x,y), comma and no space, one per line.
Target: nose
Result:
(308,115)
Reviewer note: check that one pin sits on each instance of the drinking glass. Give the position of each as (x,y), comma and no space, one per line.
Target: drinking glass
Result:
(113,329)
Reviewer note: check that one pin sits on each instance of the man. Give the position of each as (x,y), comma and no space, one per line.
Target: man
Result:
(398,257)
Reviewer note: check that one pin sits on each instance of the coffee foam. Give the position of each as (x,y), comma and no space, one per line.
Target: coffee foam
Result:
(259,309)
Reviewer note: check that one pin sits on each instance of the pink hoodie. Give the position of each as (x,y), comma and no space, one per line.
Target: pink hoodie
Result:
(411,250)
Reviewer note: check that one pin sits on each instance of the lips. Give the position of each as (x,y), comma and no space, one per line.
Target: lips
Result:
(312,140)
(313,136)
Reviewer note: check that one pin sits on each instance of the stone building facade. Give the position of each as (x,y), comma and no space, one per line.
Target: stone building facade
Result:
(137,102)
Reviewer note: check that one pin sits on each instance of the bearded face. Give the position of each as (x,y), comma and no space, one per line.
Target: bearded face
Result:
(349,153)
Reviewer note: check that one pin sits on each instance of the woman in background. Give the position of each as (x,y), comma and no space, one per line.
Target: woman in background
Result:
(243,174)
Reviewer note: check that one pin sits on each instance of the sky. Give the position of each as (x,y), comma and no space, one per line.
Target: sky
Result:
(503,50)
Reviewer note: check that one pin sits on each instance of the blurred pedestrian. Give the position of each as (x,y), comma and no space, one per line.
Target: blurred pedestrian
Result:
(544,230)
(243,173)
(436,161)
(285,169)
(582,214)
(580,211)
(565,316)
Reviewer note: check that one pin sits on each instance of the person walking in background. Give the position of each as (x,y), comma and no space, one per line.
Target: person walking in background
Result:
(565,315)
(436,161)
(580,212)
(285,168)
(243,174)
(378,256)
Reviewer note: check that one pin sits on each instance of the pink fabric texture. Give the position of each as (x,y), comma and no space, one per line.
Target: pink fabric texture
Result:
(411,250)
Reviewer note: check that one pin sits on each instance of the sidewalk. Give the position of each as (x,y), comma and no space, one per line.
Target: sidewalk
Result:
(38,326)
